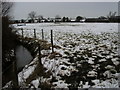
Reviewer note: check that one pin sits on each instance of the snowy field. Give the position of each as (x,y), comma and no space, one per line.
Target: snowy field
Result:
(76,28)
(88,54)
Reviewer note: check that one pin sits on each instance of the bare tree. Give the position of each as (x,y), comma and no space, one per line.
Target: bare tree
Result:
(57,17)
(32,15)
(78,18)
(6,7)
(111,14)
(40,17)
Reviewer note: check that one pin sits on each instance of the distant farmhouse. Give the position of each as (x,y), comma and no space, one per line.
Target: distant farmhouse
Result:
(72,19)
(57,19)
(83,20)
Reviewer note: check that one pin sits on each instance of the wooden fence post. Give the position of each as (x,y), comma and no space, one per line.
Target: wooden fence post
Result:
(42,35)
(52,41)
(22,32)
(39,51)
(34,33)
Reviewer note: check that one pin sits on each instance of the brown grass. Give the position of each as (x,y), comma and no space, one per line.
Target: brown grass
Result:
(54,54)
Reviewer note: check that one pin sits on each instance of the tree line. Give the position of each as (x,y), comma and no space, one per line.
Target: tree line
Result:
(34,18)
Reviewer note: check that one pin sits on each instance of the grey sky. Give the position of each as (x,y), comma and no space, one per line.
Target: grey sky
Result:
(70,9)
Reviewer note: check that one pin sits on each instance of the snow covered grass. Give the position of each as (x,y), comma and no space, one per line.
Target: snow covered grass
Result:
(87,57)
(26,72)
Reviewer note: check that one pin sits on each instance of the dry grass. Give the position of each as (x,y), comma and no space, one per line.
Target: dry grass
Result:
(54,54)
(39,71)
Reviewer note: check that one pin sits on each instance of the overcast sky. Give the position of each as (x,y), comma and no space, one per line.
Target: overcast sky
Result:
(70,9)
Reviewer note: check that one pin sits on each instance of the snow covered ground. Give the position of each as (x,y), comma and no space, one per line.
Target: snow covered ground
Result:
(88,54)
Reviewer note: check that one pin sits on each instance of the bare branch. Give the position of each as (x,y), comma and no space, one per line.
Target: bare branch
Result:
(6,7)
(32,15)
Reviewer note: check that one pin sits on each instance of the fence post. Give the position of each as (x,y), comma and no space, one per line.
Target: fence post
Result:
(52,40)
(39,51)
(42,35)
(22,32)
(34,33)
